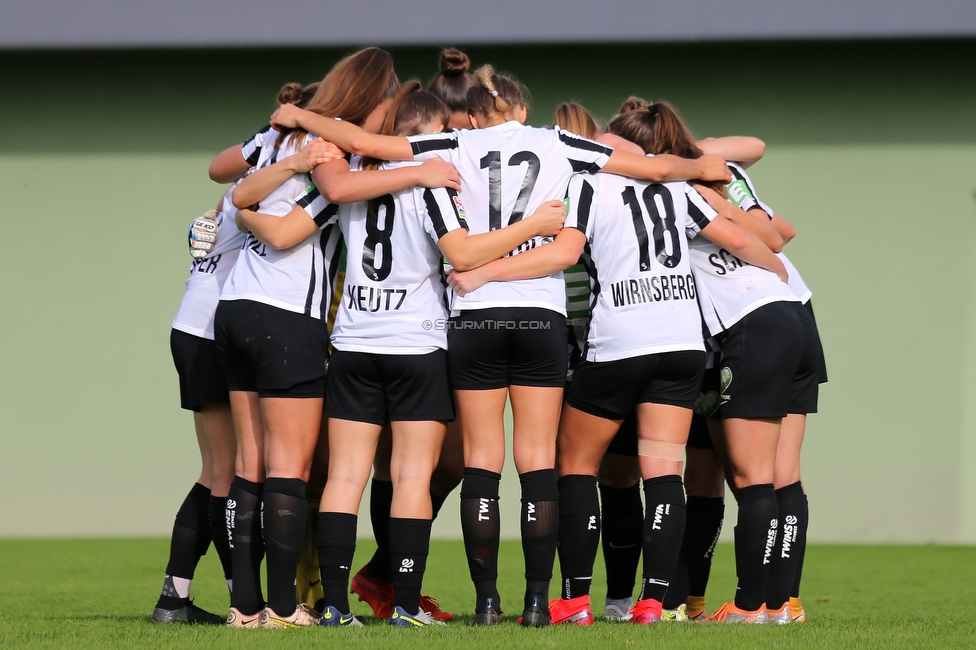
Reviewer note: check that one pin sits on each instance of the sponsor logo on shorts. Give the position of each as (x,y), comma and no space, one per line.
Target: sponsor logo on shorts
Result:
(725,378)
(707,404)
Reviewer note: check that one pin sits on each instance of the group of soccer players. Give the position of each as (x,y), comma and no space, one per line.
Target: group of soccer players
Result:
(386,271)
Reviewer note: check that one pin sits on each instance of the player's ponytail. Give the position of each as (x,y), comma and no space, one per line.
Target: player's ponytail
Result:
(494,95)
(576,119)
(657,128)
(451,84)
(290,94)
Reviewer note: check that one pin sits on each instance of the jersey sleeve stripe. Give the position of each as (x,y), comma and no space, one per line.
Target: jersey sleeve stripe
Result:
(698,208)
(584,166)
(434,212)
(584,144)
(251,149)
(583,206)
(434,144)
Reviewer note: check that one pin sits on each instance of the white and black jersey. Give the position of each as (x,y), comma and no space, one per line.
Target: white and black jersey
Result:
(207,275)
(742,192)
(644,293)
(262,141)
(507,171)
(393,298)
(729,288)
(299,279)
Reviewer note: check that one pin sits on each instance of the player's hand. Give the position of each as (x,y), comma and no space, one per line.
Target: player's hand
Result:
(202,234)
(714,168)
(467,281)
(315,153)
(437,172)
(549,218)
(286,117)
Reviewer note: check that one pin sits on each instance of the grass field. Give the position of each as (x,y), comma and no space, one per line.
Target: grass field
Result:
(99,593)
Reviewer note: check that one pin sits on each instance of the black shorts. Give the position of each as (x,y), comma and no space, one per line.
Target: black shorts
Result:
(506,346)
(625,442)
(706,406)
(271,351)
(761,356)
(818,343)
(612,389)
(805,388)
(202,379)
(381,388)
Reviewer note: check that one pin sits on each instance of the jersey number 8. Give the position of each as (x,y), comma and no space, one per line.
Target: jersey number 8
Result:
(376,236)
(660,208)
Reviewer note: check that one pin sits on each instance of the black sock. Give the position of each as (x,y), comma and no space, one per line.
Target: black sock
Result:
(481,527)
(380,501)
(579,533)
(243,516)
(188,543)
(664,526)
(702,528)
(801,544)
(623,529)
(755,537)
(220,533)
(435,503)
(337,544)
(285,514)
(791,504)
(540,530)
(409,545)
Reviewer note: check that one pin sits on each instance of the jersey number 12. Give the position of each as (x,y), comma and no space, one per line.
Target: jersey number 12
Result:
(493,163)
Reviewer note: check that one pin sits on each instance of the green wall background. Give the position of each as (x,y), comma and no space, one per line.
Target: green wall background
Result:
(871,154)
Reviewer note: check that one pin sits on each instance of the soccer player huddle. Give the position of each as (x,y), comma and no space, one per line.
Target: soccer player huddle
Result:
(387,271)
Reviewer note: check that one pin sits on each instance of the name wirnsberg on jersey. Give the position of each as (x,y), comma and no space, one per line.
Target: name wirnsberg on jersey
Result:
(657,288)
(373,299)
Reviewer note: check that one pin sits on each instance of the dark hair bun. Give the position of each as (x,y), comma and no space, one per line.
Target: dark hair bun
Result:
(290,94)
(633,104)
(454,63)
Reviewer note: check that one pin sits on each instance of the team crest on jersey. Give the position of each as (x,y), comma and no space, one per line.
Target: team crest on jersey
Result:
(459,207)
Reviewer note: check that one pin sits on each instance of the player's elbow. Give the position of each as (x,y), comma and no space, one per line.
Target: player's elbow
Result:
(775,243)
(336,192)
(240,199)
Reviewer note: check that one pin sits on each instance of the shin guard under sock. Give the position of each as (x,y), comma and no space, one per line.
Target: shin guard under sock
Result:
(380,502)
(243,516)
(188,543)
(755,537)
(801,544)
(623,529)
(409,546)
(481,527)
(791,504)
(579,533)
(337,546)
(540,528)
(664,526)
(285,515)
(217,521)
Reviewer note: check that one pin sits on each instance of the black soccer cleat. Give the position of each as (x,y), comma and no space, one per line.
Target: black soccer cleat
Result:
(535,614)
(189,613)
(490,615)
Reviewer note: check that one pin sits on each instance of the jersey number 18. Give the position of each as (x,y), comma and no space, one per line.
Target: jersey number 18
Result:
(660,208)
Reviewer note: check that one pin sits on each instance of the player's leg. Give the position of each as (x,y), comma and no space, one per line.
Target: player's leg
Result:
(291,432)
(218,428)
(308,582)
(583,438)
(188,543)
(478,367)
(622,513)
(372,584)
(416,448)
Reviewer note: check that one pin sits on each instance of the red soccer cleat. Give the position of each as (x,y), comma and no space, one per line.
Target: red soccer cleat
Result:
(575,611)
